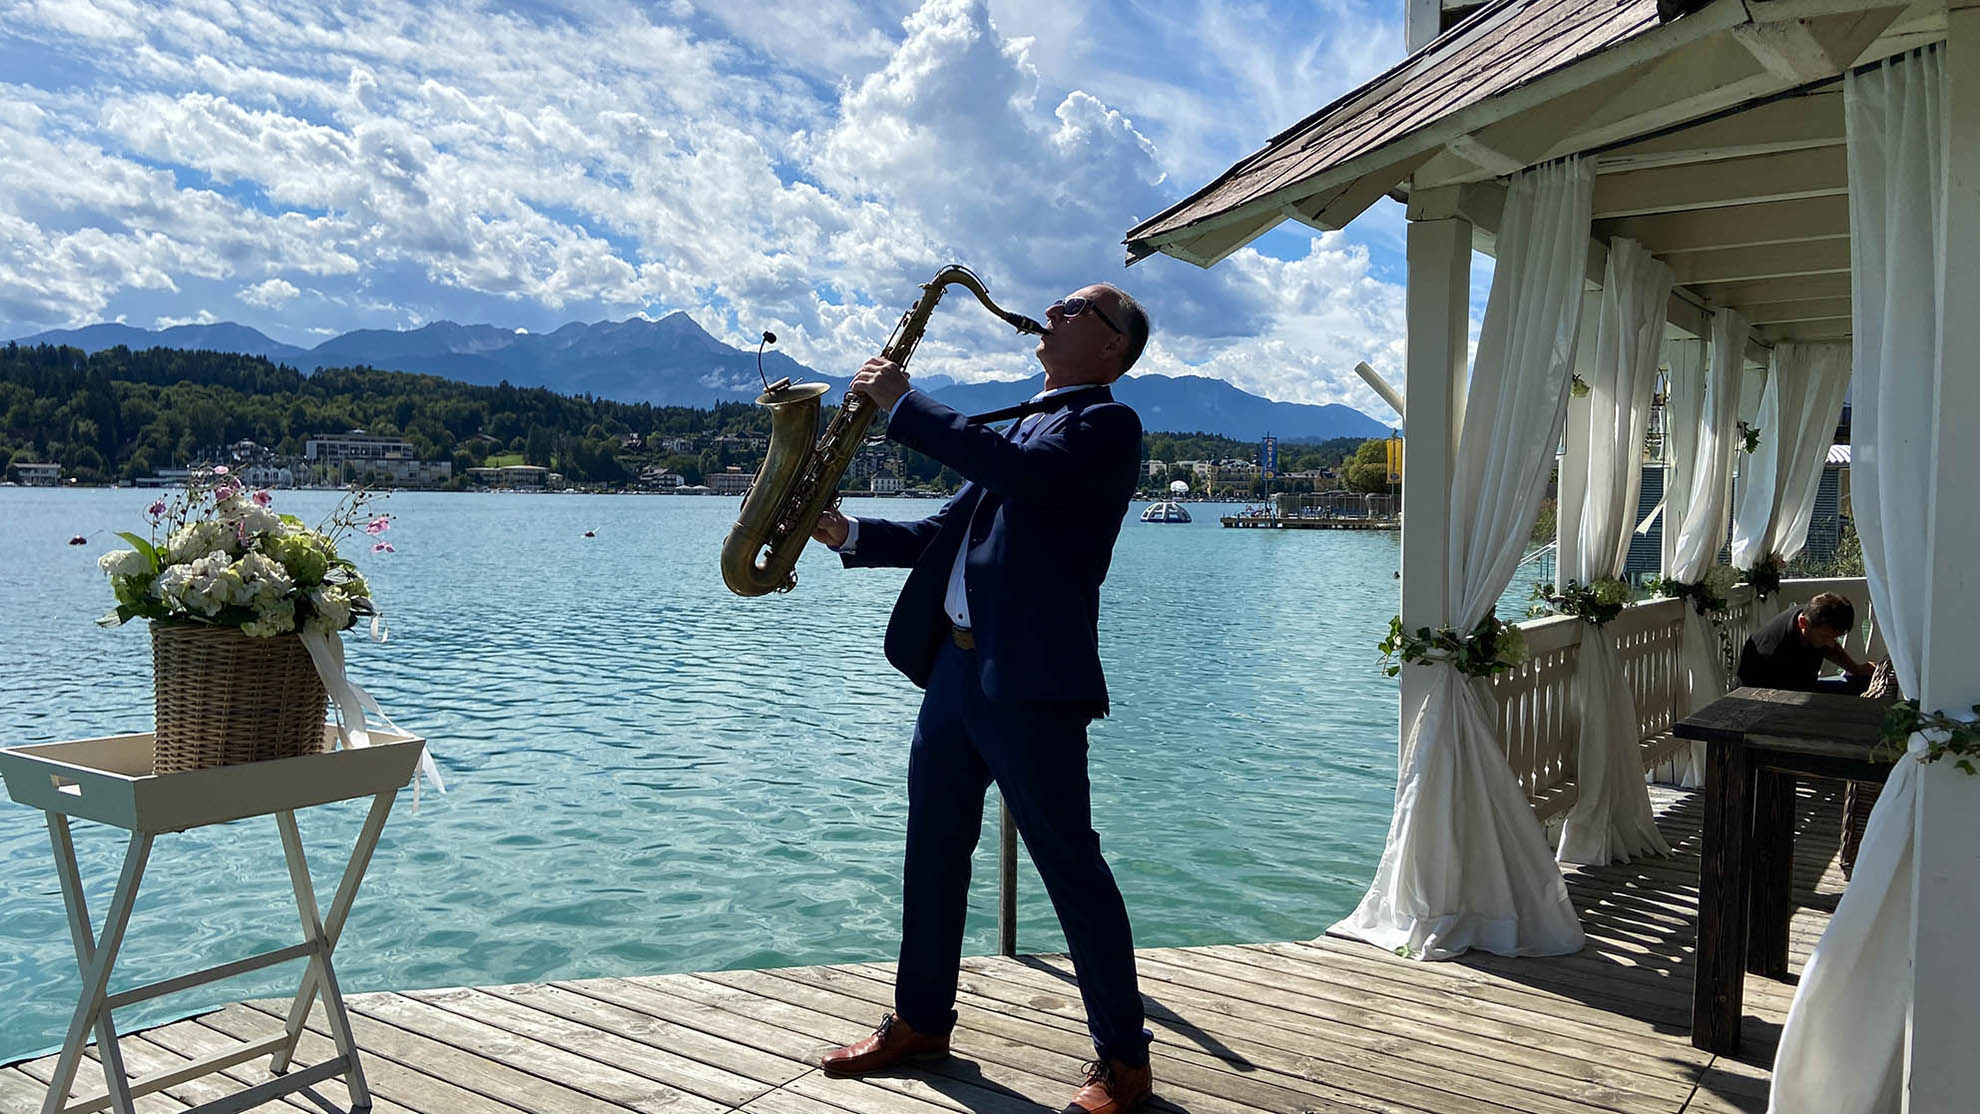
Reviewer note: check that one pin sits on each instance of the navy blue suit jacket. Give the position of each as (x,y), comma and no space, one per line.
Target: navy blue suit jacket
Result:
(1046,509)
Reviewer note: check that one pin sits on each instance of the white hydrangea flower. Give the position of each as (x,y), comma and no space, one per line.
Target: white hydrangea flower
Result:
(333,610)
(195,540)
(279,618)
(124,562)
(263,578)
(207,584)
(260,521)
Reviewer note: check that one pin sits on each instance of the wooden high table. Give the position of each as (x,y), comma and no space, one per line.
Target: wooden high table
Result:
(1759,741)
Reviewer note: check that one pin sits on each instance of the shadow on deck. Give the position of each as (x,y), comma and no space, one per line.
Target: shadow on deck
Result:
(1330,1025)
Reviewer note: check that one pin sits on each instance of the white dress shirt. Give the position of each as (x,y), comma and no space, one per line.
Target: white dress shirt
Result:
(956,601)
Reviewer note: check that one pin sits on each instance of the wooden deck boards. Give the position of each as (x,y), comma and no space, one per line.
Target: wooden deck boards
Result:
(1314,1027)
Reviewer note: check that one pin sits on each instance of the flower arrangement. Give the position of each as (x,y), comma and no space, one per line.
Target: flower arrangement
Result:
(1596,602)
(1707,596)
(1491,647)
(1765,575)
(222,556)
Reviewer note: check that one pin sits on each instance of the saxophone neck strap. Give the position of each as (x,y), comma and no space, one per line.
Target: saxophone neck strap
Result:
(1028,408)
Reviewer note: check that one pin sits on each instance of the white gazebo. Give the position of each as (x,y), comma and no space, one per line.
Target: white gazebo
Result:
(1777,201)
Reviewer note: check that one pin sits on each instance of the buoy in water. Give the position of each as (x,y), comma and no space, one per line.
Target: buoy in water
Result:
(590,534)
(78,540)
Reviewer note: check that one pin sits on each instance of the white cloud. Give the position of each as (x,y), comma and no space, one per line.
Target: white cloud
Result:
(203,317)
(757,165)
(272,294)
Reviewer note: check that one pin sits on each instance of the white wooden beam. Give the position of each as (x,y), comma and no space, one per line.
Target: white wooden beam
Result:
(1789,124)
(1832,329)
(1792,50)
(1808,257)
(1820,172)
(1793,289)
(1439,316)
(1784,313)
(1771,222)
(1941,1071)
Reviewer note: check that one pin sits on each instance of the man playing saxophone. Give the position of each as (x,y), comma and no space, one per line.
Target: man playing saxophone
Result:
(998,622)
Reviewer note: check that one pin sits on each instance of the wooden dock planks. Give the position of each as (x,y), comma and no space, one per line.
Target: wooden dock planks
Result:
(1324,1026)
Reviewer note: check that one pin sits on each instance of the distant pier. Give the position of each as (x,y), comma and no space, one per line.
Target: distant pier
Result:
(1308,522)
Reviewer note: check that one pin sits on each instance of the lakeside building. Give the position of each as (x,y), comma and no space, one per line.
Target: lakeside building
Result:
(37,473)
(519,477)
(1153,468)
(357,455)
(885,483)
(732,481)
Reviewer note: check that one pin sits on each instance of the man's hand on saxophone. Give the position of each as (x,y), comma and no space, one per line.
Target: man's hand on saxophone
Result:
(881,380)
(831,528)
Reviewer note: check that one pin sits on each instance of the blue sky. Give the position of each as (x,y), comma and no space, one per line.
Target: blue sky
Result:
(308,170)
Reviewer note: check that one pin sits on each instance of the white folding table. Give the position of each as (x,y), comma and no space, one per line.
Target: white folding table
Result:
(109,780)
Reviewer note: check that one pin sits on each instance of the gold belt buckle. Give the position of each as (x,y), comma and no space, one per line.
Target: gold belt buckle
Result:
(962,637)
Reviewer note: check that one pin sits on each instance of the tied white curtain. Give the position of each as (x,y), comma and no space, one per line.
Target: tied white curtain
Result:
(1466,864)
(1706,479)
(1842,1049)
(1611,820)
(1798,414)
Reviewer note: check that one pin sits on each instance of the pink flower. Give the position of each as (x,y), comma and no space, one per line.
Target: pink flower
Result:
(219,469)
(378,525)
(262,498)
(222,494)
(156,509)
(383,547)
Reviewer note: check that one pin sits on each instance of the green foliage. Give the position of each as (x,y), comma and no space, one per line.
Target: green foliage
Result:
(1944,736)
(1598,602)
(1368,469)
(1546,522)
(1765,575)
(1490,647)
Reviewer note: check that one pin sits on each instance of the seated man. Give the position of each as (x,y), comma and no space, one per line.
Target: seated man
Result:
(1788,652)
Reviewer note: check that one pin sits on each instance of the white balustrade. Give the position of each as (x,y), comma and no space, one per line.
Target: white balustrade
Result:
(1538,726)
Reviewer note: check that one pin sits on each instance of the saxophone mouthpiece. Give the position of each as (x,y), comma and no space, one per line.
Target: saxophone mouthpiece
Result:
(768,338)
(1027,325)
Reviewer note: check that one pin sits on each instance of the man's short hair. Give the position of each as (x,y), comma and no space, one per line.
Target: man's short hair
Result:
(1136,320)
(1831,612)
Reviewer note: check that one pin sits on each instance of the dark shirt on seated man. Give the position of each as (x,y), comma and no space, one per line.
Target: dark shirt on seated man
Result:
(1789,651)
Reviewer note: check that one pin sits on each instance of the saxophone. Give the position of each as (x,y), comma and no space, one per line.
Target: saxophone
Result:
(799,479)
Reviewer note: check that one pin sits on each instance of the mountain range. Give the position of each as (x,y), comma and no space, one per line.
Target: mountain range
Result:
(674,362)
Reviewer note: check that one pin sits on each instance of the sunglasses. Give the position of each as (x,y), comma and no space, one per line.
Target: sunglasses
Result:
(1076,305)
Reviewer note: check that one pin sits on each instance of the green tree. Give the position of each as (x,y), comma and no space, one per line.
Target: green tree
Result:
(1368,469)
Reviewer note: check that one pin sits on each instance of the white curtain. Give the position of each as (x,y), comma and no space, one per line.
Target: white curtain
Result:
(1611,820)
(1842,1050)
(1798,414)
(1707,482)
(1466,864)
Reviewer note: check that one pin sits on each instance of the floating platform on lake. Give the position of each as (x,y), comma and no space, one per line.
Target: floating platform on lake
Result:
(1308,522)
(1329,1026)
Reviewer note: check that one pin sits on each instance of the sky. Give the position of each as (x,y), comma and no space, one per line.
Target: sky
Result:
(800,168)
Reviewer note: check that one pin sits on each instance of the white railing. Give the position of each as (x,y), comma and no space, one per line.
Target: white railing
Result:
(1537,722)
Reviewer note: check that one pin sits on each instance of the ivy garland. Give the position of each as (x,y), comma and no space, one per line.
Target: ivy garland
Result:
(1944,735)
(1765,575)
(1597,602)
(1707,596)
(1750,434)
(1490,647)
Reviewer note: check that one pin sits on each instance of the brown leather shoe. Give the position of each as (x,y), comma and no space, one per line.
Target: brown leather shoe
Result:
(1112,1087)
(894,1042)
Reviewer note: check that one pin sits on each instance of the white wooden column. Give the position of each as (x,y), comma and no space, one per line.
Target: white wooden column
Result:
(1439,254)
(1941,1071)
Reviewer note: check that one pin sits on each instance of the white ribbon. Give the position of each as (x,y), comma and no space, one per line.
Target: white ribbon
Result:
(326,651)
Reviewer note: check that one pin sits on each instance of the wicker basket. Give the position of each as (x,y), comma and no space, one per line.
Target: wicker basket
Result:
(224,698)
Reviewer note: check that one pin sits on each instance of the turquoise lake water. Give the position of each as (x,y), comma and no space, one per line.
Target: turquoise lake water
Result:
(651,775)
